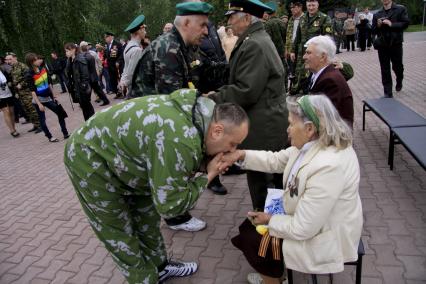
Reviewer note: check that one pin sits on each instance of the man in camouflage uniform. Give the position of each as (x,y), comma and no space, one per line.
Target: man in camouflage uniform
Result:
(312,23)
(276,29)
(172,62)
(20,86)
(337,24)
(141,160)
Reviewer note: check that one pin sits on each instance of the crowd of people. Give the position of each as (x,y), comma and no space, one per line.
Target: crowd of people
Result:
(261,95)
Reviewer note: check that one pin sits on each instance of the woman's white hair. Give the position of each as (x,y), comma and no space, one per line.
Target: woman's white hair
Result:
(333,130)
(324,44)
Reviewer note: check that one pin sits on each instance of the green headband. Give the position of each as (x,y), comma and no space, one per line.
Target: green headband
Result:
(307,108)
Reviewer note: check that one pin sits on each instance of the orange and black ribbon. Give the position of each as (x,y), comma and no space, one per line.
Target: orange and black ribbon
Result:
(264,244)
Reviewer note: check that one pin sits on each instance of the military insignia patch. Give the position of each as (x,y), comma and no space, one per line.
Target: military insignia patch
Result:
(328,29)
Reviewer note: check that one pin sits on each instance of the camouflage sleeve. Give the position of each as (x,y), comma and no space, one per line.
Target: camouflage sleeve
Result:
(168,69)
(174,187)
(327,27)
(289,35)
(347,71)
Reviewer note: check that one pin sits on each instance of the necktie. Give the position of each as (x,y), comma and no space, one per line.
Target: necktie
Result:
(311,82)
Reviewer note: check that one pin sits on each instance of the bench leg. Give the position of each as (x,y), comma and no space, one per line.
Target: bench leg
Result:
(363,117)
(358,270)
(314,279)
(391,149)
(290,276)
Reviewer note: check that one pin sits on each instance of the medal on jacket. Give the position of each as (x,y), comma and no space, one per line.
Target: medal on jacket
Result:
(316,23)
(191,85)
(195,63)
(292,186)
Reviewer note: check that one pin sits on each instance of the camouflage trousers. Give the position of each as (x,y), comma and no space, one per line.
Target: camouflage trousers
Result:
(338,40)
(127,224)
(27,105)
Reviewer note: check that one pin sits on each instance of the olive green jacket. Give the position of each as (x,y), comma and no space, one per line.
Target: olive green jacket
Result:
(256,83)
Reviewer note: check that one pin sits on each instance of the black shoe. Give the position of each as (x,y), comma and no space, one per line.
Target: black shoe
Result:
(38,130)
(234,170)
(218,189)
(104,103)
(66,136)
(97,100)
(398,86)
(117,97)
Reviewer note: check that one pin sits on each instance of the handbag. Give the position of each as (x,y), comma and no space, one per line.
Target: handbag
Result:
(61,111)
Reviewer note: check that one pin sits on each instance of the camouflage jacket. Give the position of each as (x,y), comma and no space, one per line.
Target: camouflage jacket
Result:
(167,64)
(277,31)
(309,27)
(18,76)
(337,27)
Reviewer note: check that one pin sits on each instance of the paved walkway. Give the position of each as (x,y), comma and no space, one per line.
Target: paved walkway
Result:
(45,238)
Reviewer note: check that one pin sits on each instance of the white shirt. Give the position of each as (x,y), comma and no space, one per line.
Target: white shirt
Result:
(296,165)
(316,75)
(6,93)
(295,26)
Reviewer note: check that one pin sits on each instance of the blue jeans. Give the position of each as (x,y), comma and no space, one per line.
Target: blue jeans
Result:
(105,75)
(42,116)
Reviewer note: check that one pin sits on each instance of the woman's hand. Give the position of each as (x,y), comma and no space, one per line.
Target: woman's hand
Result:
(229,158)
(259,218)
(213,167)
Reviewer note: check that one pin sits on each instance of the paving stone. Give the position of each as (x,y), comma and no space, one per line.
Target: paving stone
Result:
(392,274)
(414,267)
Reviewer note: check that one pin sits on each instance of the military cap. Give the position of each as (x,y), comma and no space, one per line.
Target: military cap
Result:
(135,25)
(108,34)
(252,7)
(273,7)
(296,3)
(193,8)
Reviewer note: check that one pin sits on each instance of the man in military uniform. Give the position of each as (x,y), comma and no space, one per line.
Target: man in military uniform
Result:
(256,83)
(133,52)
(113,55)
(136,162)
(296,8)
(172,62)
(22,89)
(277,31)
(312,23)
(337,24)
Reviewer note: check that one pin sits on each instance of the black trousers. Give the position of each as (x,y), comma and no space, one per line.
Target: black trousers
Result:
(386,56)
(350,39)
(86,105)
(98,91)
(258,183)
(113,76)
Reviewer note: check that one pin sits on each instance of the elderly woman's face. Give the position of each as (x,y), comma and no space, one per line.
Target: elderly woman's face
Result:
(298,132)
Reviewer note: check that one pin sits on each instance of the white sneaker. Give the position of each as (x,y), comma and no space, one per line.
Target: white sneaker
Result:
(254,278)
(192,225)
(177,269)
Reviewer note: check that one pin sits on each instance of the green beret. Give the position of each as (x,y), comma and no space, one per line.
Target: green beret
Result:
(193,8)
(252,7)
(135,25)
(272,5)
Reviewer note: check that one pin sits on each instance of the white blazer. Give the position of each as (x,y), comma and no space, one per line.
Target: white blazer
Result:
(323,225)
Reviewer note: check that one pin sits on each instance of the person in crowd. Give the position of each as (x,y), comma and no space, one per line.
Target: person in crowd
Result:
(7,104)
(57,68)
(113,55)
(79,79)
(40,84)
(363,31)
(100,50)
(312,23)
(325,78)
(389,24)
(296,8)
(228,42)
(170,63)
(133,52)
(369,16)
(149,162)
(22,90)
(321,225)
(167,28)
(349,28)
(256,83)
(277,30)
(338,31)
(95,68)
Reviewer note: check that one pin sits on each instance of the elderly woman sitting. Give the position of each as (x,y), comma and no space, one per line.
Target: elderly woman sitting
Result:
(322,224)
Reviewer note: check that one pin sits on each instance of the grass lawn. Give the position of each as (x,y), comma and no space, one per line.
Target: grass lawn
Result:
(415,28)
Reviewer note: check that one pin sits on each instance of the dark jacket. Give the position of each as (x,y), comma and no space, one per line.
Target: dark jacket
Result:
(113,57)
(332,83)
(256,83)
(79,75)
(393,35)
(57,66)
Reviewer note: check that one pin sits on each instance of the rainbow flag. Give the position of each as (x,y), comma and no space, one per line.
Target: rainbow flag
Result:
(41,82)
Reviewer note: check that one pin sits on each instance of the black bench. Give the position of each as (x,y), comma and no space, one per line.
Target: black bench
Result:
(413,139)
(395,115)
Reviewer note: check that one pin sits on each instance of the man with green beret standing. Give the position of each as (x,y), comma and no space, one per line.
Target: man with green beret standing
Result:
(144,159)
(256,83)
(312,23)
(172,62)
(133,52)
(276,29)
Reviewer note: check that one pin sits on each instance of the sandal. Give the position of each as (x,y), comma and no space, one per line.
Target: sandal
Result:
(15,134)
(53,139)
